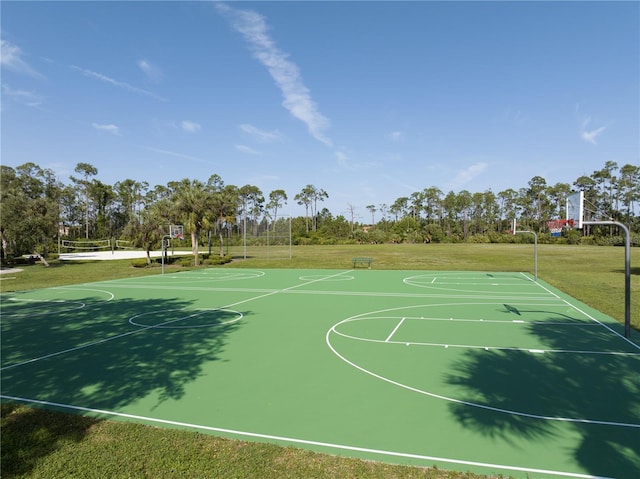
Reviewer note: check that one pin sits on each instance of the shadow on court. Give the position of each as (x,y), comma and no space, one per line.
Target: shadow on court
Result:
(94,357)
(581,386)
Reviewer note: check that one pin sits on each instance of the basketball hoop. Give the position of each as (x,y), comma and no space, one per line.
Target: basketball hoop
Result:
(176,232)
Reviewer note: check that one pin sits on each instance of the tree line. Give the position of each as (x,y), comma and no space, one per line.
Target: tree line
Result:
(37,209)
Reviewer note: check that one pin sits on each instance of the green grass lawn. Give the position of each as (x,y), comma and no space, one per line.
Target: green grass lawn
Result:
(37,443)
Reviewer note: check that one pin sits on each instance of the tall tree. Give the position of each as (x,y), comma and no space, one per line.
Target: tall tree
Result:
(417,199)
(87,171)
(149,231)
(372,210)
(277,199)
(103,198)
(252,204)
(193,207)
(507,206)
(399,207)
(605,179)
(629,187)
(537,196)
(226,206)
(464,202)
(130,196)
(318,195)
(449,206)
(305,197)
(29,208)
(432,202)
(557,195)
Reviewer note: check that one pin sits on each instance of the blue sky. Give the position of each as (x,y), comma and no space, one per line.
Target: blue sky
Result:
(369,101)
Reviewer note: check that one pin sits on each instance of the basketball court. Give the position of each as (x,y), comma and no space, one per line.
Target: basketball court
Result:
(489,372)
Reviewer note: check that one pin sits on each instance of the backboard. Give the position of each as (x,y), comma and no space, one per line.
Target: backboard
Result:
(575,208)
(176,231)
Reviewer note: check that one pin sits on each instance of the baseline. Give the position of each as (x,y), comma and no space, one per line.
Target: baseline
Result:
(306,442)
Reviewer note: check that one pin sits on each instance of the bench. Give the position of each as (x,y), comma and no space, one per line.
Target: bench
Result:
(357,261)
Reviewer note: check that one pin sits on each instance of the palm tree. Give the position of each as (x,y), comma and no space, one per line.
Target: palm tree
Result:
(226,204)
(149,230)
(193,206)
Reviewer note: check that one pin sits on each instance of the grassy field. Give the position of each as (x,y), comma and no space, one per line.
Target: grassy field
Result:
(39,444)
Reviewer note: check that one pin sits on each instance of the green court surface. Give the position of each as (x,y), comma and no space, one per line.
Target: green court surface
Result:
(486,372)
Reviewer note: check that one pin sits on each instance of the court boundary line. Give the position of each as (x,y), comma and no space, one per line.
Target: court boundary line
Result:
(450,399)
(611,330)
(303,441)
(291,289)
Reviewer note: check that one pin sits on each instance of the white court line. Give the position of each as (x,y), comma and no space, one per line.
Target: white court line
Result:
(611,330)
(486,407)
(129,333)
(330,293)
(394,330)
(306,441)
(472,404)
(486,348)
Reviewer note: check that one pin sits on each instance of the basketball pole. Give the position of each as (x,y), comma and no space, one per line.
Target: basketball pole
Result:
(627,271)
(165,244)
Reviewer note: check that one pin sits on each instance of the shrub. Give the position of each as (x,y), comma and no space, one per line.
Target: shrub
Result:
(217,260)
(186,261)
(139,263)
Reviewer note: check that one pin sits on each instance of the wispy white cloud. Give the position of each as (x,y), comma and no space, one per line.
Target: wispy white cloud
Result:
(343,161)
(11,58)
(260,135)
(396,136)
(587,133)
(400,183)
(285,73)
(590,135)
(190,126)
(116,83)
(246,149)
(113,129)
(150,70)
(22,96)
(177,155)
(468,174)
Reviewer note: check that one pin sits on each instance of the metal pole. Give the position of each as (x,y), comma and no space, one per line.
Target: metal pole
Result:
(163,250)
(627,271)
(244,234)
